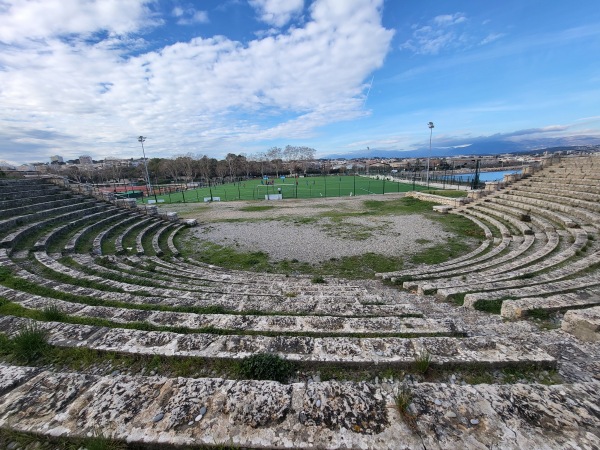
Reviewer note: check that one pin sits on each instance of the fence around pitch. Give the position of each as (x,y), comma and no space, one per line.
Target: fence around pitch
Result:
(304,187)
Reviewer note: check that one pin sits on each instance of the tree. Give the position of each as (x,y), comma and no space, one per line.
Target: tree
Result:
(169,167)
(207,168)
(232,165)
(261,158)
(244,164)
(274,154)
(188,166)
(221,169)
(307,155)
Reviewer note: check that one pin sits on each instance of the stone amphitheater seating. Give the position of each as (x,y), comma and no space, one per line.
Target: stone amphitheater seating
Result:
(154,303)
(549,251)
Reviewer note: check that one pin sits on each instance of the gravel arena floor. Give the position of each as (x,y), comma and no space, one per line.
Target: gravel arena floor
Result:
(282,232)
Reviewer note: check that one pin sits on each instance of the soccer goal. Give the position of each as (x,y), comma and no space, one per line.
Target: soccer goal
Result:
(286,190)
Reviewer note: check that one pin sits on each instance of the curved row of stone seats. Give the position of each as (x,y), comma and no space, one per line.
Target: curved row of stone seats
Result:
(574,268)
(587,205)
(76,238)
(14,221)
(366,291)
(139,239)
(526,276)
(209,272)
(518,226)
(59,231)
(102,235)
(156,238)
(399,352)
(570,185)
(560,191)
(175,280)
(242,299)
(281,304)
(561,220)
(12,239)
(503,251)
(233,324)
(159,412)
(555,287)
(524,307)
(171,240)
(137,224)
(519,268)
(557,253)
(508,267)
(483,249)
(578,215)
(9,193)
(13,210)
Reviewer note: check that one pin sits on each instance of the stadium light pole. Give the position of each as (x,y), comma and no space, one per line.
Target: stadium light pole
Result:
(430,125)
(141,140)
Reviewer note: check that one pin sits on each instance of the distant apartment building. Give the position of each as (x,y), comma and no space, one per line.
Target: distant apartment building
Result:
(86,160)
(56,159)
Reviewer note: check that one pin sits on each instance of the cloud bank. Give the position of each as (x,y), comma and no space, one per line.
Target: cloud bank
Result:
(82,72)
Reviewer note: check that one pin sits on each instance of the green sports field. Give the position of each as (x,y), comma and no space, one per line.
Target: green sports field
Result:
(309,187)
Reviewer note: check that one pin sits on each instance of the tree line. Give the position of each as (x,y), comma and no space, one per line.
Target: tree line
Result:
(186,168)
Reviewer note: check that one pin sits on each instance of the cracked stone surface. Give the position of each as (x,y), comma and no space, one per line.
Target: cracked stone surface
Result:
(267,414)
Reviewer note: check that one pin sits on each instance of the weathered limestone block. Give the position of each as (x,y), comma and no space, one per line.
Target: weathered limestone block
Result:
(327,404)
(258,403)
(516,309)
(442,209)
(507,416)
(583,323)
(116,403)
(12,376)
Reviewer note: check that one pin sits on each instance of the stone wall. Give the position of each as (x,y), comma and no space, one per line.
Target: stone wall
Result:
(455,202)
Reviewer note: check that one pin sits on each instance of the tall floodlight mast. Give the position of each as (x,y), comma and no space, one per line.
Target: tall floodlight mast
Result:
(430,125)
(141,140)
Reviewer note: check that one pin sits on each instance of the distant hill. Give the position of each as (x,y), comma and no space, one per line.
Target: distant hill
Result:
(478,147)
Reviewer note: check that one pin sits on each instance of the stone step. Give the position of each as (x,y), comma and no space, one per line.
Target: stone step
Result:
(13,238)
(170,240)
(116,215)
(518,309)
(43,242)
(160,411)
(504,281)
(14,221)
(399,303)
(289,286)
(557,287)
(143,221)
(101,236)
(156,237)
(445,352)
(139,239)
(449,264)
(583,323)
(315,325)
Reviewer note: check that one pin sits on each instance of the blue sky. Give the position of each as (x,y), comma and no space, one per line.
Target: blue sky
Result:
(214,77)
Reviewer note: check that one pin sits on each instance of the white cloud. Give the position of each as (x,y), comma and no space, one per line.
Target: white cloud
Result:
(443,33)
(205,95)
(450,19)
(38,19)
(277,12)
(491,38)
(189,16)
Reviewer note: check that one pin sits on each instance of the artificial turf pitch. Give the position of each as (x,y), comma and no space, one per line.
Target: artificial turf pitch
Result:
(303,187)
